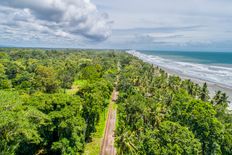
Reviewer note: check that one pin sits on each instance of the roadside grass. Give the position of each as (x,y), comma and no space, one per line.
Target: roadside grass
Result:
(115,107)
(94,147)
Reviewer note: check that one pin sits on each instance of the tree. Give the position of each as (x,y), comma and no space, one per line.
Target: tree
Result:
(18,125)
(46,79)
(91,72)
(226,147)
(95,96)
(171,138)
(204,95)
(201,118)
(64,133)
(220,98)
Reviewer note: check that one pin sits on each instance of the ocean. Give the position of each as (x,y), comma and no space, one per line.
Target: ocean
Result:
(210,58)
(214,67)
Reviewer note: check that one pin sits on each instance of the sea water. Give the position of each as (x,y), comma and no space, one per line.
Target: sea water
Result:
(215,67)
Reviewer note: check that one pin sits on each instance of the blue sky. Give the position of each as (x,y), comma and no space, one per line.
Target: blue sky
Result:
(132,24)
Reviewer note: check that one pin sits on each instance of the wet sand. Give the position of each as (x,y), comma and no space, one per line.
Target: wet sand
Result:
(213,87)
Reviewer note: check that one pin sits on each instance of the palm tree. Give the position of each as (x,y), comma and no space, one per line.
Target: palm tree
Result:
(204,96)
(220,98)
(125,143)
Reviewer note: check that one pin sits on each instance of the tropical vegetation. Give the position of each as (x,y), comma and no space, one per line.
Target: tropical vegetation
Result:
(163,114)
(52,102)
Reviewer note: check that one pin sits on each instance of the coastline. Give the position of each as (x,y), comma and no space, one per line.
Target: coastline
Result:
(213,87)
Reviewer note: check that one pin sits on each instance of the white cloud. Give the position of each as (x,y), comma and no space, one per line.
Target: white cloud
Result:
(68,19)
(137,24)
(153,24)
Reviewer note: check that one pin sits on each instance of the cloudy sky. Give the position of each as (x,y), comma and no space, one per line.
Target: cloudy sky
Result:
(131,24)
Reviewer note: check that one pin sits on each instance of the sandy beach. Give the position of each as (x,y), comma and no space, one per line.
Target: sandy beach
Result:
(197,77)
(213,87)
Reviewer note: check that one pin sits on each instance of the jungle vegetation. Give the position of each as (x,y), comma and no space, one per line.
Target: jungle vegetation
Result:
(51,102)
(161,114)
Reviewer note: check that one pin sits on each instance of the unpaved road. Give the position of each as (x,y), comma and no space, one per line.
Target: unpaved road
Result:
(107,147)
(108,141)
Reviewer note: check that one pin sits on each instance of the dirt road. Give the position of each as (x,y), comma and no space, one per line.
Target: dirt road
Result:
(107,147)
(108,141)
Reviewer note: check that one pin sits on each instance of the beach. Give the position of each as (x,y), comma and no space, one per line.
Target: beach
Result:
(213,87)
(165,65)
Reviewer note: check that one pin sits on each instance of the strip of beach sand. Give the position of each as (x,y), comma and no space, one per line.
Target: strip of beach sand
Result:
(213,87)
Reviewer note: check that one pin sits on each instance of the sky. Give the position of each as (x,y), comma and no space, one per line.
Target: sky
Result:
(193,25)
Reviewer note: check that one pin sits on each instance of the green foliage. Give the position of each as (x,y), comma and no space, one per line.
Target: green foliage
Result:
(204,96)
(5,84)
(37,116)
(171,138)
(63,133)
(93,147)
(161,114)
(200,117)
(95,96)
(91,72)
(18,124)
(157,113)
(46,79)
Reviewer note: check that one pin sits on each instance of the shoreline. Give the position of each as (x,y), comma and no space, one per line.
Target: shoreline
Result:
(213,87)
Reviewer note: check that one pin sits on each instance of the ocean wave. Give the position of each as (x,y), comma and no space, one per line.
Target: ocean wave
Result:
(210,73)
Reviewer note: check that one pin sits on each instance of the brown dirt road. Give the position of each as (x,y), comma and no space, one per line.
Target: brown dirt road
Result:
(107,147)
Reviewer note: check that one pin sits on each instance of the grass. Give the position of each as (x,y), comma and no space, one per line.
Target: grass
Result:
(80,83)
(76,86)
(115,106)
(94,147)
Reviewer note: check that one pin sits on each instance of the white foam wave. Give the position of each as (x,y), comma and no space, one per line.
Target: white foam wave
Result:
(211,73)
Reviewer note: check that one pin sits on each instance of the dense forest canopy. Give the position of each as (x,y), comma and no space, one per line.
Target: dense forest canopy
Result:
(162,114)
(51,101)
